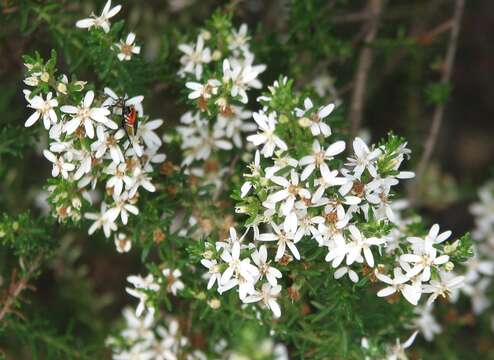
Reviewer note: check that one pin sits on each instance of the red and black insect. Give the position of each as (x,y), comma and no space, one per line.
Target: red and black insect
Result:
(130,120)
(129,117)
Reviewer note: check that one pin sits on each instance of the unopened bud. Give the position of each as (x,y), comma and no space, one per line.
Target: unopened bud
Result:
(449,266)
(216,55)
(45,77)
(214,303)
(304,122)
(62,88)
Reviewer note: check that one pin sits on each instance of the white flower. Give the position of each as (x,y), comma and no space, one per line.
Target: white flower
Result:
(108,141)
(364,158)
(433,238)
(317,126)
(118,178)
(423,261)
(146,283)
(289,193)
(412,293)
(60,166)
(122,243)
(203,90)
(234,124)
(102,20)
(101,220)
(397,351)
(214,273)
(268,296)
(239,39)
(426,322)
(260,259)
(194,57)
(283,240)
(318,159)
(122,208)
(141,179)
(147,133)
(442,287)
(173,283)
(85,115)
(346,270)
(236,266)
(359,244)
(127,48)
(243,76)
(267,124)
(44,109)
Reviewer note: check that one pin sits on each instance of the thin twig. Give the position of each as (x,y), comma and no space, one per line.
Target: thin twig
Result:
(364,65)
(17,287)
(439,110)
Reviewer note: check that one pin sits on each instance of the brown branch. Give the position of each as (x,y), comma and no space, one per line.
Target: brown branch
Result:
(364,65)
(16,288)
(439,110)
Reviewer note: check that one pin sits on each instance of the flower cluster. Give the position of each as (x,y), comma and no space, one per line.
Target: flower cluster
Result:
(143,287)
(302,194)
(147,337)
(221,118)
(93,140)
(144,338)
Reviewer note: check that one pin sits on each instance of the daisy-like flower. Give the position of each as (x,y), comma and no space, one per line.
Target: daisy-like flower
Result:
(146,131)
(361,244)
(122,208)
(214,271)
(425,322)
(44,109)
(194,57)
(234,125)
(267,295)
(318,159)
(314,121)
(84,114)
(60,166)
(239,39)
(173,282)
(291,190)
(267,124)
(397,351)
(442,287)
(237,266)
(243,76)
(364,158)
(108,141)
(412,293)
(260,258)
(424,261)
(283,239)
(127,48)
(118,179)
(122,243)
(101,21)
(433,237)
(204,91)
(101,220)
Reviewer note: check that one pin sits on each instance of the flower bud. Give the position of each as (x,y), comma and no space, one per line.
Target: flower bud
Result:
(214,303)
(31,81)
(449,266)
(45,77)
(216,55)
(62,88)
